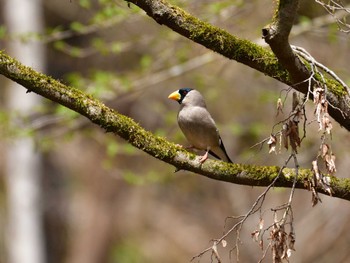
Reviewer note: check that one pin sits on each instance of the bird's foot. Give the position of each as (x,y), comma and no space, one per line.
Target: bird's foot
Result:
(203,158)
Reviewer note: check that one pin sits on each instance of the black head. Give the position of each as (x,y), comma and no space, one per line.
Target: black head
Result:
(183,92)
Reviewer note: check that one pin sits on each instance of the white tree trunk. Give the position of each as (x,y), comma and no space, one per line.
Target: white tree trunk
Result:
(25,239)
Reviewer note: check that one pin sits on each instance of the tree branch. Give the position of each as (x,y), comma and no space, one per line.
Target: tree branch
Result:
(282,65)
(214,38)
(276,35)
(158,147)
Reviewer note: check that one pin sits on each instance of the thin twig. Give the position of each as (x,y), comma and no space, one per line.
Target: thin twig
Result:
(238,226)
(304,54)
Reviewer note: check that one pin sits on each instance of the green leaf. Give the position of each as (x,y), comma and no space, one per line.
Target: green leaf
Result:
(75,79)
(216,7)
(63,111)
(75,51)
(3,31)
(304,20)
(59,45)
(100,45)
(116,47)
(112,148)
(127,251)
(145,62)
(85,4)
(132,178)
(77,26)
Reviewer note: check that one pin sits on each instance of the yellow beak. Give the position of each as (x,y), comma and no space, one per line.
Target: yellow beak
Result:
(175,96)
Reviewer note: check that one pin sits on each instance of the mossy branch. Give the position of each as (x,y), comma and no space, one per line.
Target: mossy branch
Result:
(214,38)
(276,35)
(282,65)
(158,147)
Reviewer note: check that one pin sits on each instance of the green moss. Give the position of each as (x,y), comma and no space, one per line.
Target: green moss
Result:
(263,172)
(234,48)
(343,183)
(335,87)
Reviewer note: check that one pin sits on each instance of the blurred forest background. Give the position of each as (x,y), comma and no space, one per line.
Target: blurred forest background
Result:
(97,199)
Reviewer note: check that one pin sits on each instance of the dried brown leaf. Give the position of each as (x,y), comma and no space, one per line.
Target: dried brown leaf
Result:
(291,240)
(261,224)
(329,127)
(279,106)
(317,180)
(327,124)
(295,102)
(328,189)
(327,184)
(294,135)
(297,115)
(324,149)
(317,94)
(316,170)
(318,116)
(272,143)
(330,163)
(324,105)
(315,198)
(285,134)
(223,243)
(255,235)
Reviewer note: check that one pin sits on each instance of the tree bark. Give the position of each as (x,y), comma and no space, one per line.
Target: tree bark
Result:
(23,162)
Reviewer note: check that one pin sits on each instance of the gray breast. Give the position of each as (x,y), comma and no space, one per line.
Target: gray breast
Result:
(198,127)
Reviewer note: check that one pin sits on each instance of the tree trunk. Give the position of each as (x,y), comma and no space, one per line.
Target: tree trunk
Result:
(24,230)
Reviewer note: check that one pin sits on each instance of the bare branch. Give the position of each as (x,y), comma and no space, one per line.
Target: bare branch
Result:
(338,12)
(303,53)
(278,226)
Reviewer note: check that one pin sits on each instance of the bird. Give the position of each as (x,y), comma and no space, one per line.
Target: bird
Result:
(197,124)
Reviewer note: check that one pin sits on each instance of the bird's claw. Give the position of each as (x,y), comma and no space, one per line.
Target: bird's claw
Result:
(203,158)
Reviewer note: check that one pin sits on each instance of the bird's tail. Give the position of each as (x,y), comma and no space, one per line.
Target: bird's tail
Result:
(224,156)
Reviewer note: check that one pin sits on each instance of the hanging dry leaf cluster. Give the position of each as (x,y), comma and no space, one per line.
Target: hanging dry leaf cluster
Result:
(325,155)
(318,180)
(281,242)
(289,135)
(321,110)
(257,234)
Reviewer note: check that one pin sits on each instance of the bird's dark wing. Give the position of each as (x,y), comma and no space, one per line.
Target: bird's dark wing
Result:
(222,147)
(213,154)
